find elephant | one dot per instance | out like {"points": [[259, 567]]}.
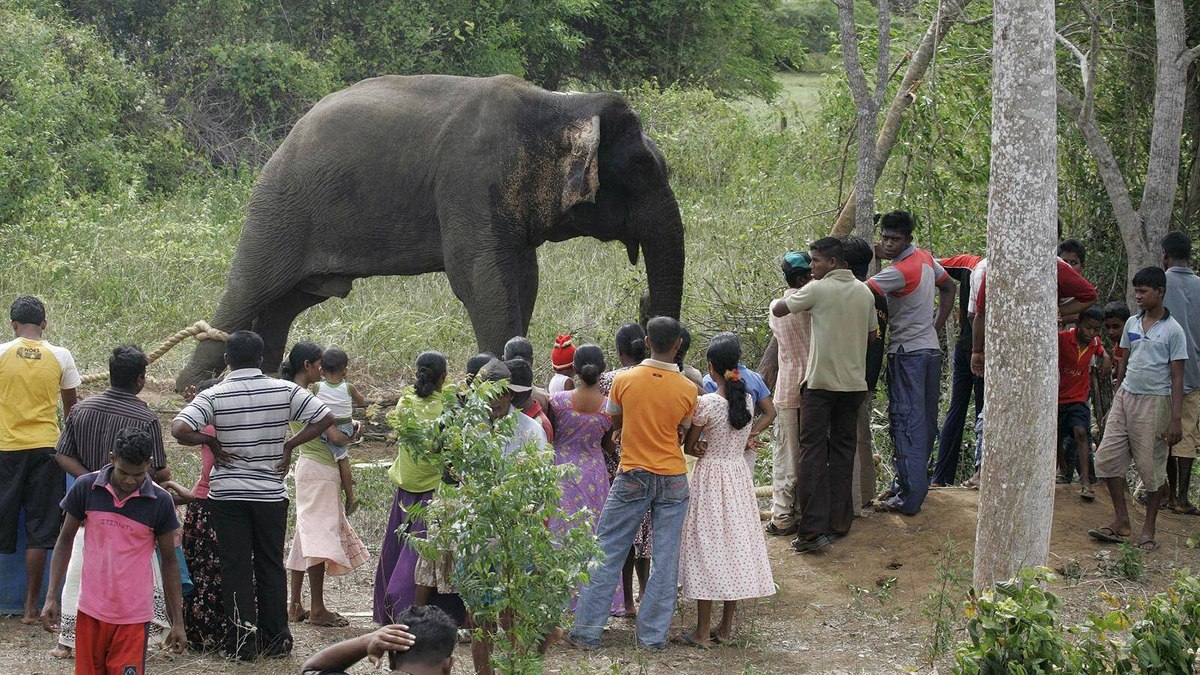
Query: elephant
{"points": [[405, 175]]}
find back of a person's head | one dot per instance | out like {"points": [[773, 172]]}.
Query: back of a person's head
{"points": [[900, 222], [27, 310], [589, 363], [431, 368], [631, 341], [243, 349], [829, 247], [796, 266], [1177, 245], [685, 343], [435, 636], [723, 354], [1073, 246], [1150, 277], [521, 377], [663, 332], [859, 255], [125, 365], [519, 347], [334, 361], [1116, 309], [478, 361], [133, 446], [301, 353], [1092, 313]]}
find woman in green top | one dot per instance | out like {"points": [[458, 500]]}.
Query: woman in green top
{"points": [[395, 589]]}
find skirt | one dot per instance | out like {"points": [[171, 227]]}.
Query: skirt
{"points": [[395, 584], [203, 608], [323, 535]]}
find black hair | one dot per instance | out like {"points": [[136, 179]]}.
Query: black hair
{"points": [[1177, 245], [1116, 309], [435, 632], [431, 368], [519, 347], [1150, 277], [631, 341], [859, 255], [830, 247], [685, 343], [724, 352], [897, 221], [334, 361], [478, 361], [663, 331], [243, 349], [207, 384], [27, 309], [793, 275], [302, 352], [125, 365], [1073, 246], [589, 363], [1094, 313], [133, 445], [520, 374]]}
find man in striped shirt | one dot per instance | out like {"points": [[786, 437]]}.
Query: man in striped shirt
{"points": [[250, 412]]}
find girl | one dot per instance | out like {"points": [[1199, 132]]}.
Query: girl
{"points": [[723, 553], [324, 542], [395, 586], [562, 358], [631, 351]]}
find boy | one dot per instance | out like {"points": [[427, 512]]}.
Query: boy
{"points": [[1116, 313], [1146, 416], [1183, 302], [127, 515], [964, 384], [1077, 348], [792, 334], [421, 642], [1073, 253]]}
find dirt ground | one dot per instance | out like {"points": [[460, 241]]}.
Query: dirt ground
{"points": [[857, 609]]}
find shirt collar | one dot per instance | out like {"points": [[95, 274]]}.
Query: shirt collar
{"points": [[912, 248], [1180, 269], [102, 482], [1166, 315], [661, 365], [841, 274], [113, 391], [244, 373]]}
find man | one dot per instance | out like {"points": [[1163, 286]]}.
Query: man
{"points": [[964, 383], [34, 375], [1183, 302], [520, 347], [249, 501], [834, 385], [521, 386], [649, 405], [859, 256], [914, 356], [88, 437]]}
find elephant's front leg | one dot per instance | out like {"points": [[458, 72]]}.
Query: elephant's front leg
{"points": [[489, 285], [527, 287]]}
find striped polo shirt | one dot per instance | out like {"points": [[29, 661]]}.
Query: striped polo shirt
{"points": [[250, 412], [90, 430]]}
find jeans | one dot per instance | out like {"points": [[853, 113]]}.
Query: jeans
{"points": [[633, 492], [253, 582], [338, 451], [965, 383], [828, 443], [913, 388]]}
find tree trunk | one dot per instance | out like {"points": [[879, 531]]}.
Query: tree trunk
{"points": [[1016, 501]]}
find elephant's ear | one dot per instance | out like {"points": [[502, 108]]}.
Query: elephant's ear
{"points": [[581, 175]]}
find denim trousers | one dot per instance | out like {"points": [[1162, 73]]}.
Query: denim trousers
{"points": [[632, 494], [914, 380], [964, 385]]}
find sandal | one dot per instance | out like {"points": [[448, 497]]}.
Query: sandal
{"points": [[1107, 534], [1191, 510], [776, 531], [1087, 494], [335, 621], [814, 545], [1149, 546], [687, 640]]}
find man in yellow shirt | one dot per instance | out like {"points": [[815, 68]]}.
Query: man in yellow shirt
{"points": [[649, 404], [34, 374]]}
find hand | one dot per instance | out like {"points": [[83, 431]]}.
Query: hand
{"points": [[220, 457], [939, 326], [1174, 431], [284, 464], [50, 616], [977, 364], [179, 493], [393, 638], [700, 449], [176, 641], [189, 393], [358, 431], [352, 505], [753, 444]]}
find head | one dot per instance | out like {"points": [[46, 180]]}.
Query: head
{"points": [[1177, 250], [520, 381], [478, 361], [243, 349], [334, 362], [130, 459], [127, 368], [1116, 313], [563, 354], [496, 371], [431, 373], [302, 363], [1149, 287], [895, 233], [1091, 323], [436, 637], [27, 313], [685, 343], [589, 364], [631, 344], [1073, 253], [518, 347], [859, 255], [664, 337], [827, 255], [723, 355], [797, 268]]}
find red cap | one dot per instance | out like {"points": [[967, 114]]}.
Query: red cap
{"points": [[563, 354]]}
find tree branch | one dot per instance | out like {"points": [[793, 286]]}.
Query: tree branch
{"points": [[976, 22], [1190, 55], [885, 42]]}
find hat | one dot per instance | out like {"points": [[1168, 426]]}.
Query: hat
{"points": [[494, 371], [798, 260], [563, 354], [521, 375]]}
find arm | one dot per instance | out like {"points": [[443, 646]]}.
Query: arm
{"points": [[185, 435], [373, 646], [1069, 313], [179, 494], [51, 611], [69, 398], [355, 396], [947, 289], [691, 440], [765, 419], [70, 464], [779, 308], [336, 436], [309, 432], [977, 326], [1175, 428], [176, 640]]}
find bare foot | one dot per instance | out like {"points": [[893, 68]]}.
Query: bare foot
{"points": [[327, 619], [61, 652], [297, 613], [630, 610], [32, 617], [693, 640], [552, 638], [723, 637]]}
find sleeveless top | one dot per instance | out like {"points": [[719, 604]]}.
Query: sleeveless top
{"points": [[337, 398]]}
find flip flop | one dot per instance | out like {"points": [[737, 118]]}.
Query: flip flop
{"points": [[712, 635], [1087, 494], [1149, 546], [970, 484], [687, 640], [1107, 534], [1191, 510]]}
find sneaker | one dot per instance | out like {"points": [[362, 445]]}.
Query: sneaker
{"points": [[814, 545], [776, 531]]}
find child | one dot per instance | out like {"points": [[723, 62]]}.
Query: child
{"points": [[1116, 313], [1077, 348], [421, 643], [1146, 416], [723, 553], [563, 358], [126, 516], [324, 542], [340, 397]]}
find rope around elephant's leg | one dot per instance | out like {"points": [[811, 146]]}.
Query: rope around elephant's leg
{"points": [[199, 330]]}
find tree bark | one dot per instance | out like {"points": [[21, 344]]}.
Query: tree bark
{"points": [[1016, 501], [866, 106]]}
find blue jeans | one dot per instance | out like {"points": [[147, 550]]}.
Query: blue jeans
{"points": [[913, 388], [964, 385], [633, 492], [338, 451]]}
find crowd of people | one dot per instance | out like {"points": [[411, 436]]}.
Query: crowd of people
{"points": [[665, 456]]}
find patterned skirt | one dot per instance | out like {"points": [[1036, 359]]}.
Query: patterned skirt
{"points": [[203, 608]]}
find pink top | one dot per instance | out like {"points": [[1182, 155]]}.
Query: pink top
{"points": [[200, 489]]}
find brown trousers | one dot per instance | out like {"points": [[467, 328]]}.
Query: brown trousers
{"points": [[828, 444]]}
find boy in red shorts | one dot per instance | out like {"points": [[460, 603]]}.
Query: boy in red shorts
{"points": [[126, 515]]}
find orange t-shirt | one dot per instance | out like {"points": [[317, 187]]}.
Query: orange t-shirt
{"points": [[654, 401]]}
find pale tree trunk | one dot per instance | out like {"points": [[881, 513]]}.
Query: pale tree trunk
{"points": [[1016, 501]]}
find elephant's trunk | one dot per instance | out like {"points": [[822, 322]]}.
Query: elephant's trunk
{"points": [[664, 256]]}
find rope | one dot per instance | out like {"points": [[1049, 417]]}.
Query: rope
{"points": [[199, 330]]}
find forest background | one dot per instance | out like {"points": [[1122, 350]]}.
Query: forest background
{"points": [[131, 133]]}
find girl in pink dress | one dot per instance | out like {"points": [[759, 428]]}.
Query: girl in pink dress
{"points": [[723, 553]]}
